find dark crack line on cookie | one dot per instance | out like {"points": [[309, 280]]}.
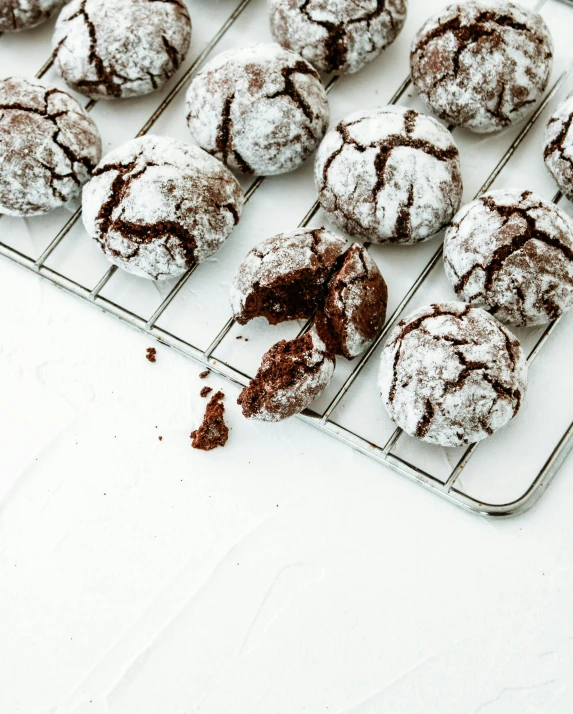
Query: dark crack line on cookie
{"points": [[291, 90]]}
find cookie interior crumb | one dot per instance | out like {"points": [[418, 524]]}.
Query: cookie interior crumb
{"points": [[213, 432], [151, 354]]}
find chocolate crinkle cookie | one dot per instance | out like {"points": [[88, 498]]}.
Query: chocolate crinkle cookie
{"points": [[156, 206], [337, 35], [511, 252], [48, 147], [450, 374], [284, 277], [354, 306], [120, 48], [291, 376], [482, 64], [559, 147], [259, 109], [16, 15], [389, 175]]}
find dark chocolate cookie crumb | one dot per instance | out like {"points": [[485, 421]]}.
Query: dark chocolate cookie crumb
{"points": [[354, 307], [291, 376], [205, 391], [511, 252], [108, 49], [482, 64], [213, 432], [151, 354], [337, 35], [450, 374], [160, 438], [204, 374], [283, 278]]}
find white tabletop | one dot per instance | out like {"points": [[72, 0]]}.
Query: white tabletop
{"points": [[283, 574]]}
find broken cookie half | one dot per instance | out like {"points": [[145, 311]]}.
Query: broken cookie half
{"points": [[354, 306], [294, 275], [291, 376]]}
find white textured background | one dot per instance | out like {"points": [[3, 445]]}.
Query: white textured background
{"points": [[283, 574]]}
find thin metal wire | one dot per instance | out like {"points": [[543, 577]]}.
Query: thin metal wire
{"points": [[383, 455]]}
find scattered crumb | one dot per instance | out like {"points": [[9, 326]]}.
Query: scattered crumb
{"points": [[213, 432], [246, 339], [205, 391], [239, 337], [204, 374], [151, 354], [160, 438]]}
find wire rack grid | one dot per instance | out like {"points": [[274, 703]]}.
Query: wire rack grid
{"points": [[494, 162]]}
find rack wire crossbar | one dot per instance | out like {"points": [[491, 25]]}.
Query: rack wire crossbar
{"points": [[448, 489]]}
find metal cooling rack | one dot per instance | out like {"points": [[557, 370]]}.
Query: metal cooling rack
{"points": [[449, 488]]}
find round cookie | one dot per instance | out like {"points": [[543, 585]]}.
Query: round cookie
{"points": [[336, 35], [283, 278], [120, 48], [48, 147], [291, 376], [559, 147], [511, 252], [354, 307], [259, 109], [16, 15], [482, 64], [157, 206], [389, 175], [450, 374]]}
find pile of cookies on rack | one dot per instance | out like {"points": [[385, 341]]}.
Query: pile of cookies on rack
{"points": [[451, 373]]}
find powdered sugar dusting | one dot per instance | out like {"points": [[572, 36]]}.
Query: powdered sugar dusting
{"points": [[559, 146], [120, 48], [482, 64], [259, 109], [291, 376], [18, 15], [389, 175], [337, 35], [450, 374], [157, 205], [281, 255], [48, 147], [512, 253]]}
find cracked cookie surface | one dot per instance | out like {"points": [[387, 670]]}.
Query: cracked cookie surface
{"points": [[120, 48], [156, 206], [450, 374], [483, 64], [389, 175], [337, 35], [16, 15], [48, 147], [558, 150], [354, 306], [291, 376], [284, 277], [259, 109], [511, 252]]}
